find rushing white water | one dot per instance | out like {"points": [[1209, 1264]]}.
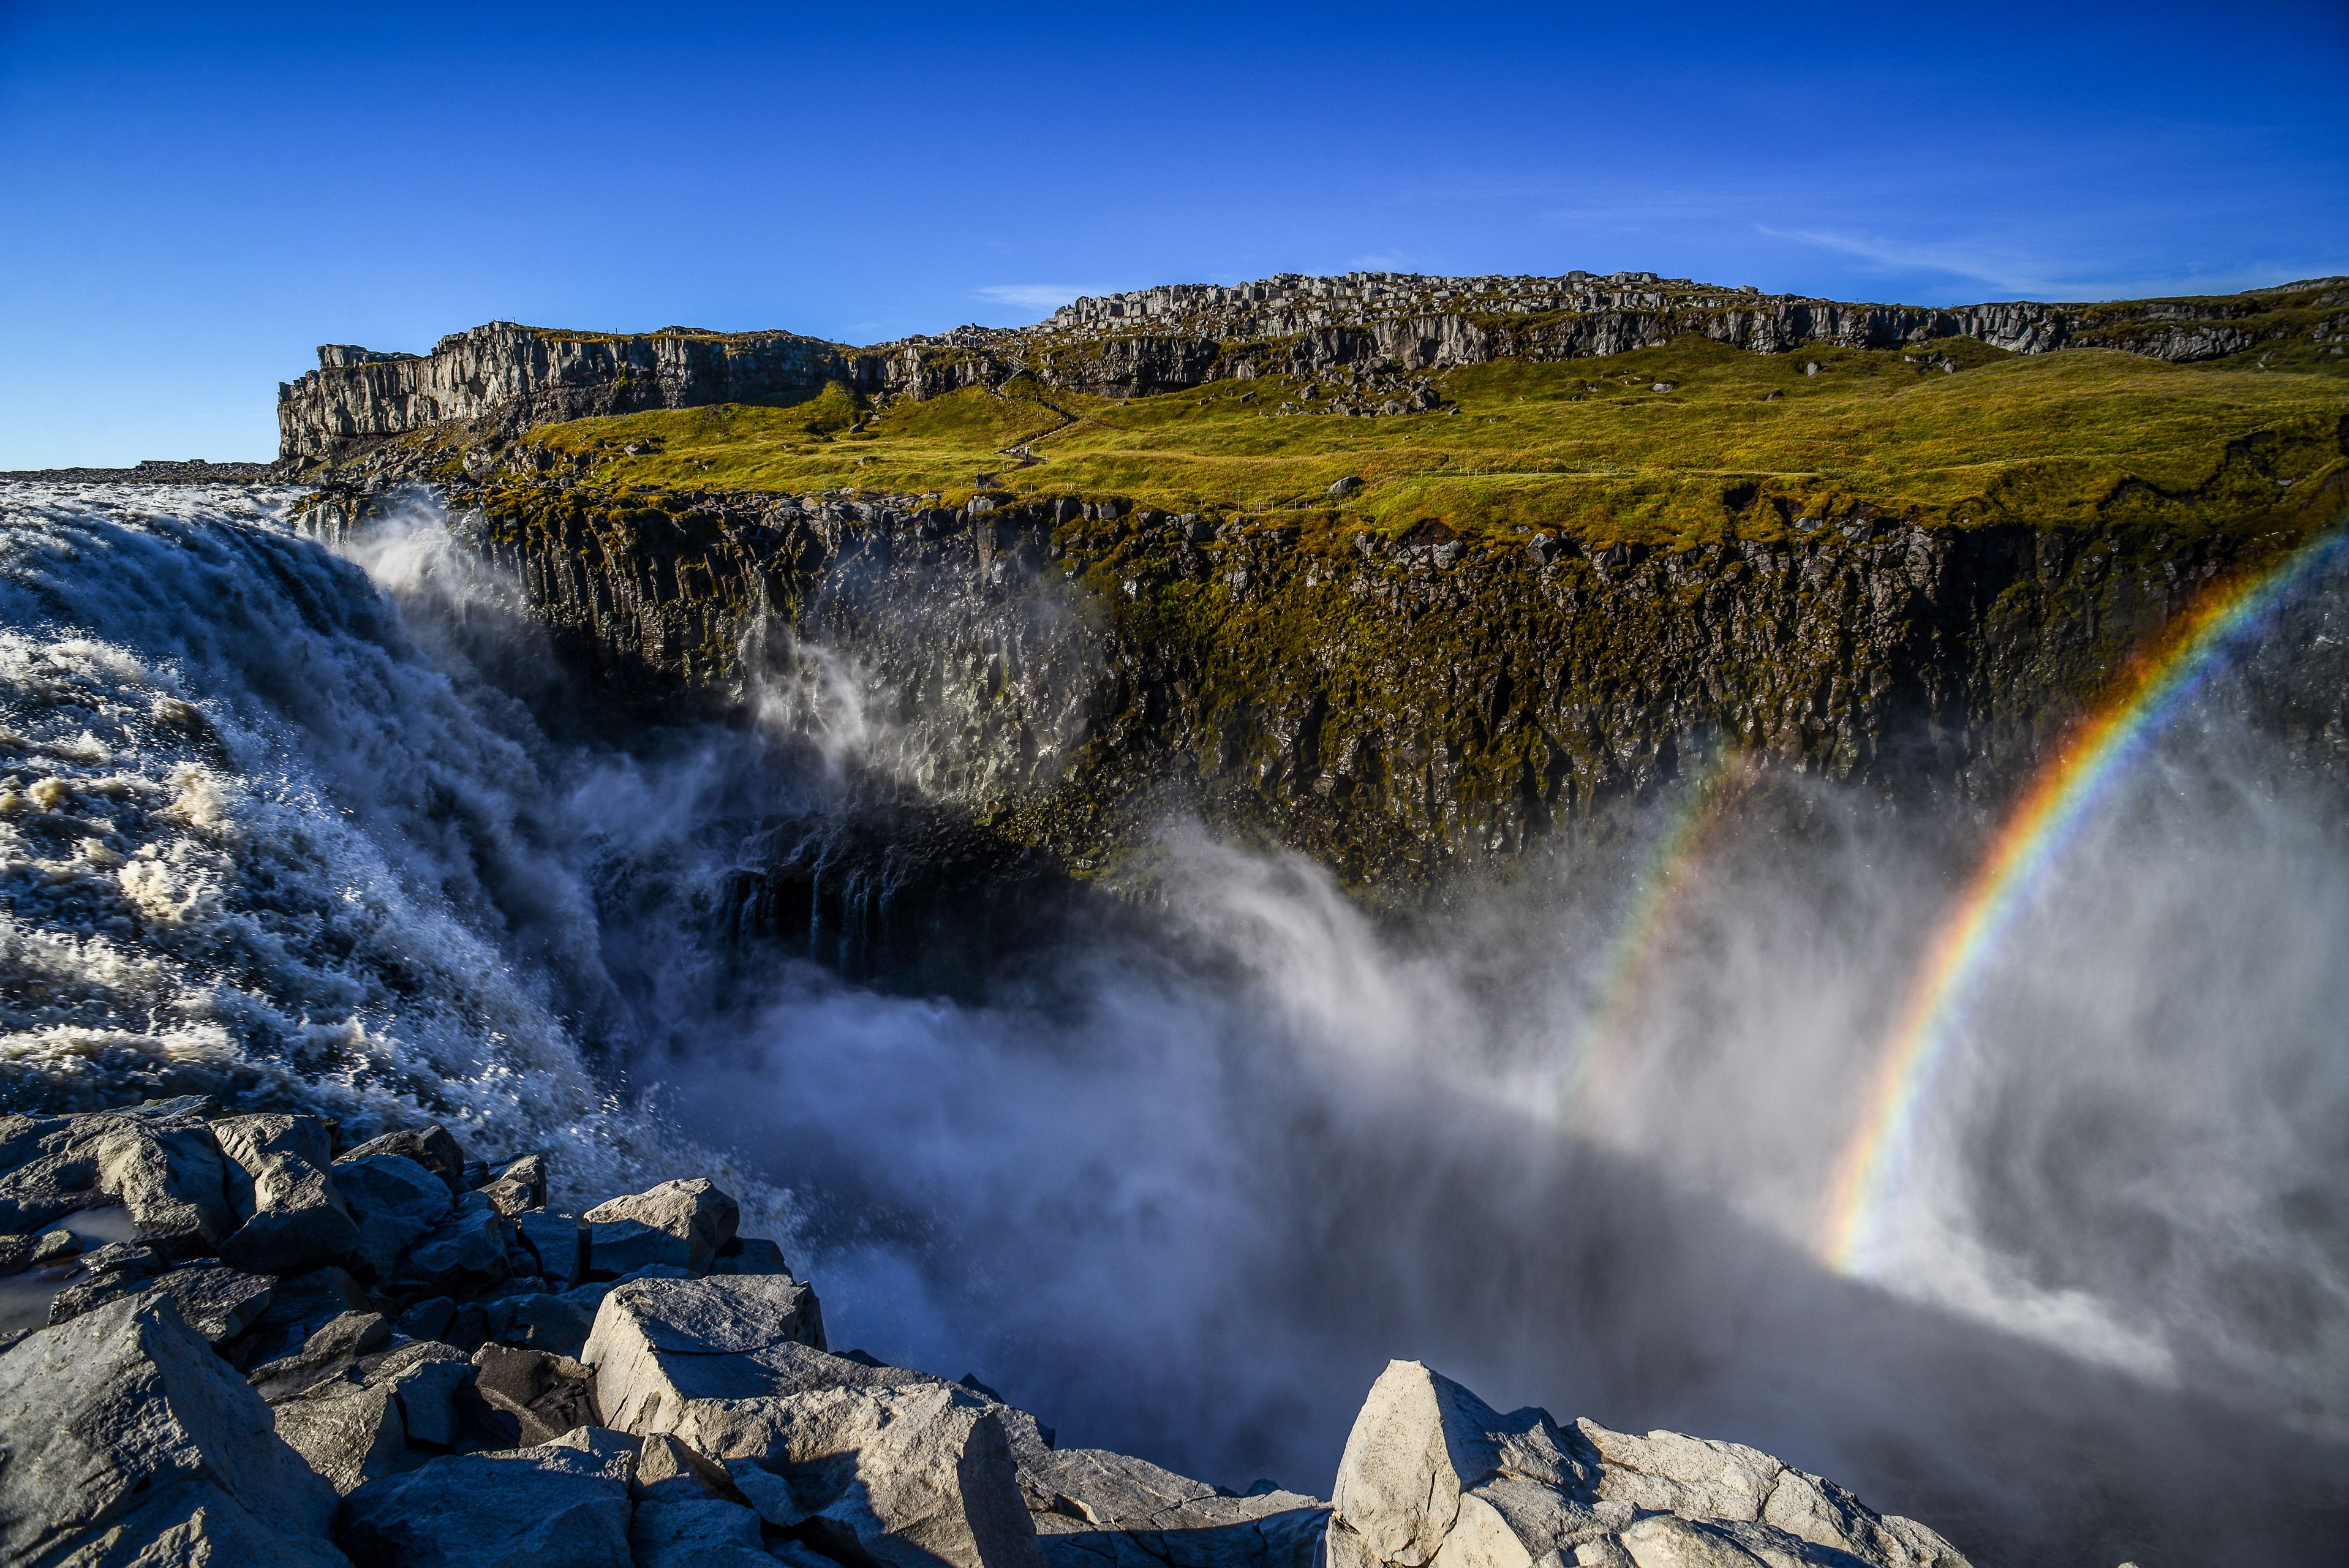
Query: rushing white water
{"points": [[278, 824]]}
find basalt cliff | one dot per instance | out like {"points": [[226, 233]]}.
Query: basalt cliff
{"points": [[1163, 339], [1400, 690]]}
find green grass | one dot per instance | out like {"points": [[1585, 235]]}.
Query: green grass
{"points": [[1743, 442]]}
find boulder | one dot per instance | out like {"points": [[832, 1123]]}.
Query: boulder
{"points": [[537, 1396], [659, 1345], [1419, 1443], [16, 1254], [559, 1243], [428, 1318], [463, 1255], [1756, 1499], [129, 1439], [114, 1270], [1095, 1510], [218, 1302], [434, 1148], [54, 1246], [433, 1382], [349, 1432], [904, 1477], [169, 1175], [528, 1508], [43, 1190], [666, 1468], [1433, 1475], [681, 1224], [518, 1186], [395, 1202], [280, 1179], [330, 1352]]}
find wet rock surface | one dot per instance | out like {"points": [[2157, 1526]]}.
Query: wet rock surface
{"points": [[186, 1411]]}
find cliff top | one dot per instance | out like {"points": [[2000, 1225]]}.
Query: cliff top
{"points": [[1658, 445]]}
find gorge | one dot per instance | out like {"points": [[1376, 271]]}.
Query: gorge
{"points": [[1177, 857]]}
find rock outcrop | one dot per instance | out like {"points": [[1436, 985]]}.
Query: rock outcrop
{"points": [[509, 377], [1433, 1475], [337, 1415]]}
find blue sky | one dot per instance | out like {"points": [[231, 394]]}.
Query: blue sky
{"points": [[192, 197]]}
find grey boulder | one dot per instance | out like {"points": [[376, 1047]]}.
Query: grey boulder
{"points": [[541, 1321], [169, 1175], [558, 1503], [395, 1202], [1431, 1474], [1099, 1510], [127, 1440], [464, 1254], [559, 1243], [658, 1346], [330, 1352], [680, 1224], [280, 1177], [349, 1433], [434, 1148], [216, 1301]]}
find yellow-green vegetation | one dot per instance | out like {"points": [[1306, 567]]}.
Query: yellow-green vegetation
{"points": [[1588, 446]]}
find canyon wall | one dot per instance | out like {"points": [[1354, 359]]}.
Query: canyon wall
{"points": [[1158, 340], [1065, 671]]}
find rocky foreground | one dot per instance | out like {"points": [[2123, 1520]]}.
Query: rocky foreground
{"points": [[396, 1355]]}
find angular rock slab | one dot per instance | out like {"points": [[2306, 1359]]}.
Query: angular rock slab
{"points": [[1101, 1509], [281, 1179], [434, 1148], [659, 1344], [1750, 1498], [904, 1477], [1433, 1475], [1420, 1442], [680, 1224], [129, 1439], [530, 1508], [395, 1202], [350, 1433]]}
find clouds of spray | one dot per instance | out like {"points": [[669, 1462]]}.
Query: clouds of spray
{"points": [[1186, 1182]]}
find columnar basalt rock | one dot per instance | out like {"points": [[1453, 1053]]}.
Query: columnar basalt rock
{"points": [[1391, 705]]}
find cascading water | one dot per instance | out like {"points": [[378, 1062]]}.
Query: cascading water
{"points": [[288, 823]]}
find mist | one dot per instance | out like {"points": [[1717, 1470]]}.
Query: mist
{"points": [[1188, 1170]]}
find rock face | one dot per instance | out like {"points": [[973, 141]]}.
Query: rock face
{"points": [[1157, 340], [1433, 1475], [1391, 707]]}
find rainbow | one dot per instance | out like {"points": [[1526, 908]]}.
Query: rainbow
{"points": [[1662, 878], [2061, 796]]}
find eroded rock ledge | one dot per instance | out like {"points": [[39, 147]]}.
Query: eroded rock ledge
{"points": [[395, 1355]]}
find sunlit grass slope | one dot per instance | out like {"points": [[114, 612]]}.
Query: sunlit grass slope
{"points": [[1673, 443]]}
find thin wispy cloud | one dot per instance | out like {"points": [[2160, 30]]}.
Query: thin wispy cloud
{"points": [[2013, 274], [1032, 296]]}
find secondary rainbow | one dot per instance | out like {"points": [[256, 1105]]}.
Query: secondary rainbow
{"points": [[1657, 891], [2060, 798]]}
